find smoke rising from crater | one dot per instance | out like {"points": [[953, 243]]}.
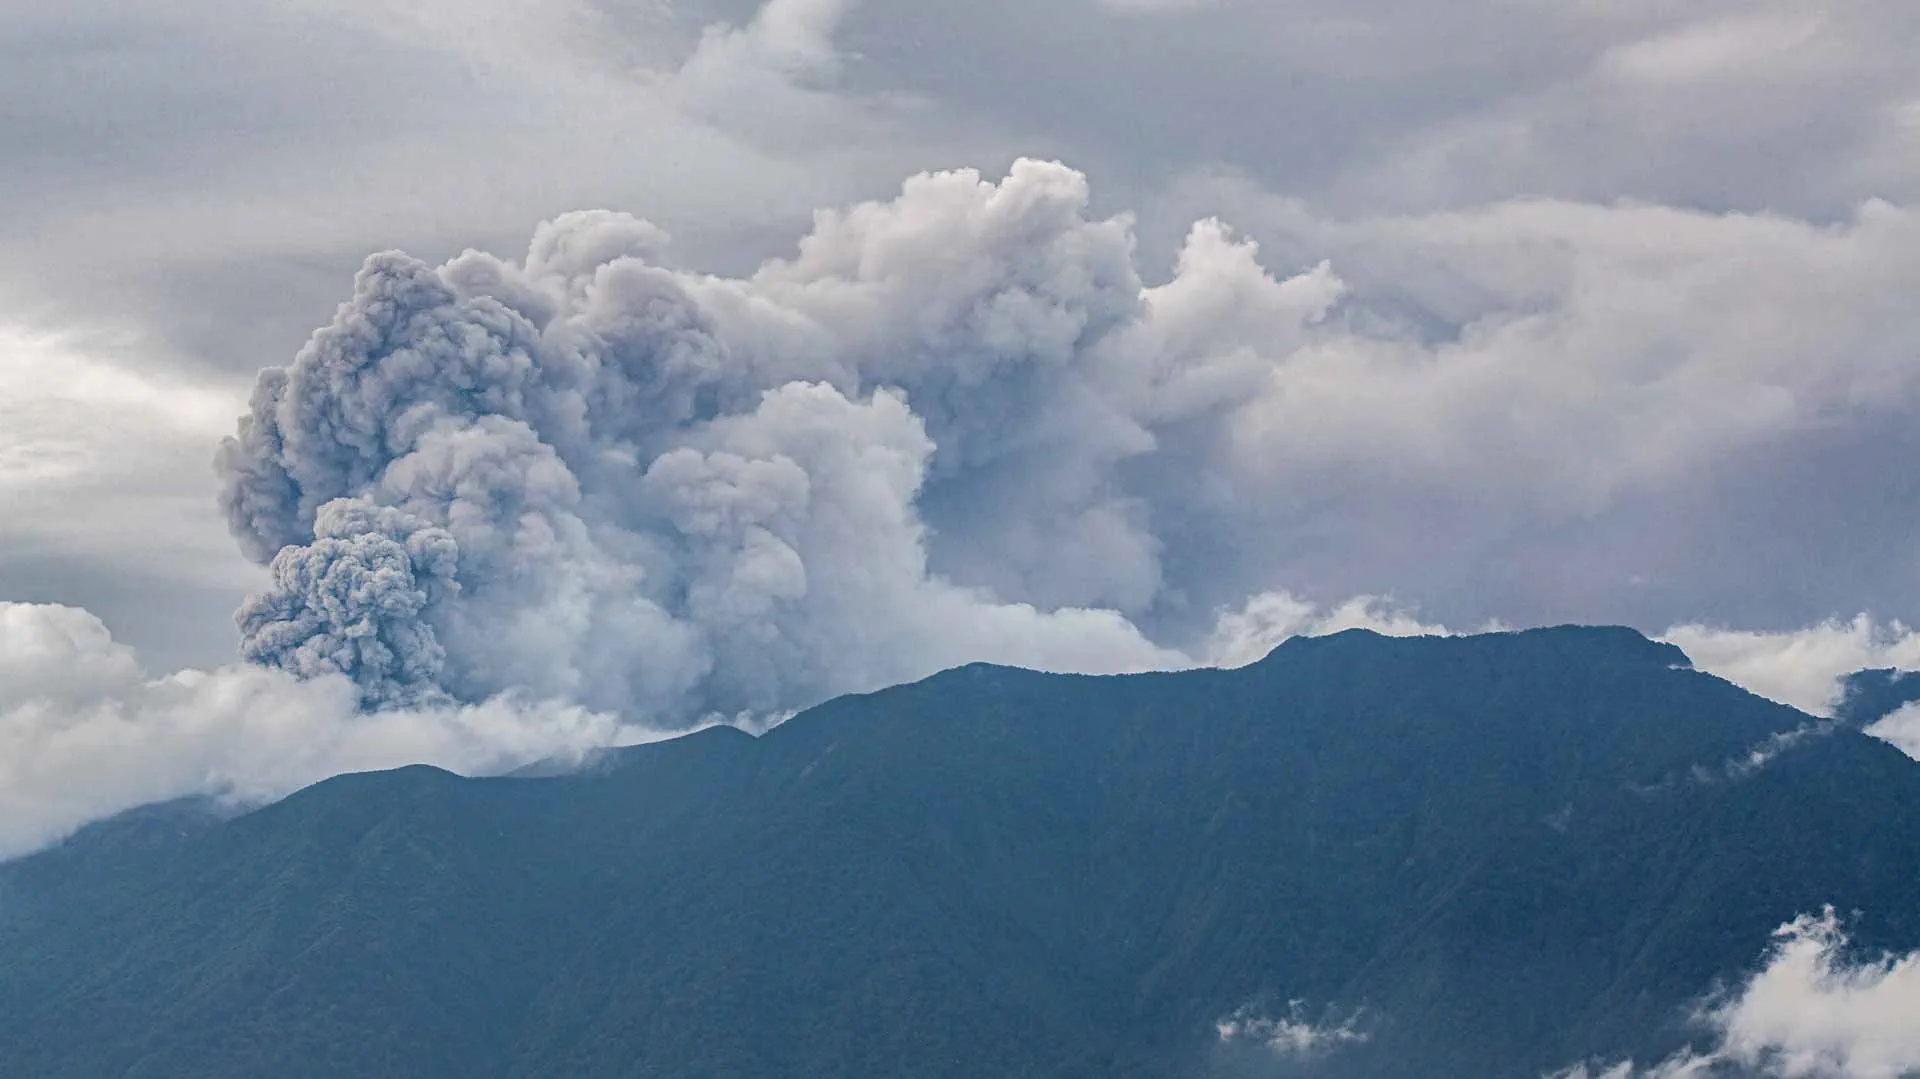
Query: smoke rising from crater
{"points": [[590, 476], [959, 425]]}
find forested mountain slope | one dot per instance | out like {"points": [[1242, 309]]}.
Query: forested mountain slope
{"points": [[1486, 855]]}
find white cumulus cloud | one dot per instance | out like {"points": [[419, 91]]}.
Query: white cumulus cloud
{"points": [[1813, 1012], [85, 732]]}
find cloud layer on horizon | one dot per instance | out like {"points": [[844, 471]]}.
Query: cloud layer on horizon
{"points": [[86, 732]]}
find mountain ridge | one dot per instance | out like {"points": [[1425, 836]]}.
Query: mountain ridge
{"points": [[1496, 852]]}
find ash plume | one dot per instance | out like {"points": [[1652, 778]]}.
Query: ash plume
{"points": [[588, 475], [518, 509]]}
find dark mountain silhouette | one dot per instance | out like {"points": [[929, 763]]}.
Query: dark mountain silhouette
{"points": [[1874, 694], [1492, 855]]}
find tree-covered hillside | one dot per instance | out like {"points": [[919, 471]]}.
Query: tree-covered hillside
{"points": [[1488, 856]]}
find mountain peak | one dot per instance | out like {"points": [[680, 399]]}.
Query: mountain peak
{"points": [[1565, 643]]}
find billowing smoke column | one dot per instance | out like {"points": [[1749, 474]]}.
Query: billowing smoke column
{"points": [[592, 477], [522, 511]]}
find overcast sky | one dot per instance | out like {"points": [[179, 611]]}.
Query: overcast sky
{"points": [[1625, 329]]}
